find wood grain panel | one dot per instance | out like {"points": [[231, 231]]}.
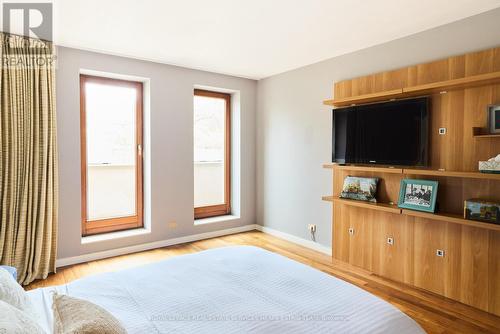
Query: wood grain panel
{"points": [[494, 272], [452, 241], [432, 72], [474, 267], [479, 62], [340, 233], [429, 236], [388, 259]]}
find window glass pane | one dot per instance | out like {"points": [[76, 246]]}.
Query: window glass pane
{"points": [[209, 141], [111, 151]]}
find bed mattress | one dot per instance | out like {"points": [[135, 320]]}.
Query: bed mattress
{"points": [[239, 289]]}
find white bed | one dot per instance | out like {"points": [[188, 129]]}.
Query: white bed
{"points": [[232, 290]]}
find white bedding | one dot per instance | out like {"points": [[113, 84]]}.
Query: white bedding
{"points": [[232, 290]]}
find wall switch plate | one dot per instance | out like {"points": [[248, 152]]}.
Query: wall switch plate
{"points": [[351, 231], [390, 241], [440, 252], [442, 131]]}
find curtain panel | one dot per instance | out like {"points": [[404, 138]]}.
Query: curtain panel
{"points": [[28, 157]]}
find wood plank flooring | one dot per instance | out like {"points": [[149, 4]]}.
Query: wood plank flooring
{"points": [[434, 313]]}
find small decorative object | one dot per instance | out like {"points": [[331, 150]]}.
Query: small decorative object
{"points": [[494, 118], [360, 188], [418, 195], [481, 210], [490, 166]]}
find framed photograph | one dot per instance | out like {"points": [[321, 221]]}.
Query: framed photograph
{"points": [[482, 210], [360, 188], [494, 118], [418, 195]]}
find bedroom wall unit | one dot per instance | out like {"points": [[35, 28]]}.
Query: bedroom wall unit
{"points": [[461, 88]]}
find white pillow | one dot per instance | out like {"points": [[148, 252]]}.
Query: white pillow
{"points": [[12, 320], [12, 293]]}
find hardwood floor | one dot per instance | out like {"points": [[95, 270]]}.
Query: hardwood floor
{"points": [[434, 313]]}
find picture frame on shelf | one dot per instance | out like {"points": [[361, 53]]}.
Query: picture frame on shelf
{"points": [[482, 210], [494, 118], [419, 195], [360, 188]]}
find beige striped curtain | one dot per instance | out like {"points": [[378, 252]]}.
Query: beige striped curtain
{"points": [[28, 157]]}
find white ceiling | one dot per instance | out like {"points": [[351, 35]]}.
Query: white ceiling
{"points": [[252, 38]]}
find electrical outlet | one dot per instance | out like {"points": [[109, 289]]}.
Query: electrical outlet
{"points": [[390, 241], [440, 252], [311, 228], [442, 131], [351, 231], [172, 224]]}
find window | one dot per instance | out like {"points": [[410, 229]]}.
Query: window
{"points": [[111, 154], [212, 144]]}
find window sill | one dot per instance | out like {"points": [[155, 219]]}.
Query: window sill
{"points": [[213, 220], [114, 235]]}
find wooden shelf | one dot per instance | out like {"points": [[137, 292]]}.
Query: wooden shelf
{"points": [[451, 218], [327, 198], [367, 98], [415, 171], [361, 204], [479, 133], [468, 175], [379, 169], [329, 165], [431, 88], [487, 136], [440, 86], [446, 217]]}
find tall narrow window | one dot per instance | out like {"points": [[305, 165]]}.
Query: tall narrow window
{"points": [[212, 143], [111, 154]]}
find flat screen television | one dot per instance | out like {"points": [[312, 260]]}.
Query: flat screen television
{"points": [[388, 133]]}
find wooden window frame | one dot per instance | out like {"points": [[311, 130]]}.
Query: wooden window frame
{"points": [[119, 223], [225, 208]]}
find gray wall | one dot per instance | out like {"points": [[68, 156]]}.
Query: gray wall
{"points": [[171, 147], [294, 128]]}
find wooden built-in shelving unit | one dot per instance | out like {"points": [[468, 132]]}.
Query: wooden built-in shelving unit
{"points": [[460, 89]]}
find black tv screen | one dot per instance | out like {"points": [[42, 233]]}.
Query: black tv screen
{"points": [[389, 133]]}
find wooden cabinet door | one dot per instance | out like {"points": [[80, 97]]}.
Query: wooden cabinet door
{"points": [[360, 246], [394, 261]]}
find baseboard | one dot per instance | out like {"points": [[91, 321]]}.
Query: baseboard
{"points": [[152, 245], [296, 240], [190, 238]]}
